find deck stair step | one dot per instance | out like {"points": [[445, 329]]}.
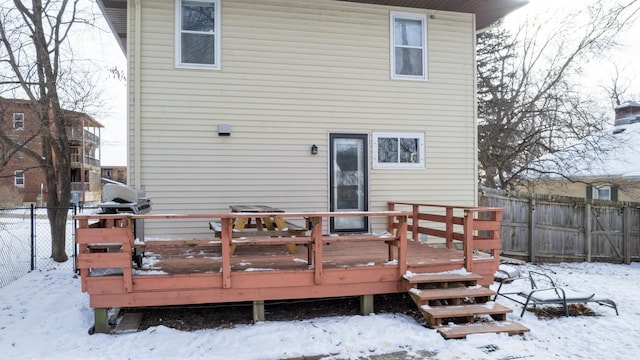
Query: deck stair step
{"points": [[425, 295], [457, 331], [466, 312], [443, 278], [456, 299]]}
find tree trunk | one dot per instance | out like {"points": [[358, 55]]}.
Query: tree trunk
{"points": [[58, 221]]}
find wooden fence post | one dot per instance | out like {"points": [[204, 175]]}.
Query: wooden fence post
{"points": [[626, 234], [587, 231], [532, 229]]}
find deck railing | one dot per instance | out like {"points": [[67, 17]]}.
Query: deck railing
{"points": [[102, 232], [477, 229]]}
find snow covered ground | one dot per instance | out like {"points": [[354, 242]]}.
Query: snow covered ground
{"points": [[44, 315]]}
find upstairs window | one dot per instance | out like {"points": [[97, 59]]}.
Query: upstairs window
{"points": [[18, 121], [398, 151], [18, 178], [198, 34], [408, 46]]}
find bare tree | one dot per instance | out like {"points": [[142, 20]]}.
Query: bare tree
{"points": [[619, 88], [36, 62], [529, 101]]}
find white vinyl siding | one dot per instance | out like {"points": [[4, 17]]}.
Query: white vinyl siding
{"points": [[197, 34], [295, 71]]}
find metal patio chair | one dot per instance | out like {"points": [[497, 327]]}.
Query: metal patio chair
{"points": [[550, 294]]}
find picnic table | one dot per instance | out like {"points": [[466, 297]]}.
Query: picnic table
{"points": [[266, 222]]}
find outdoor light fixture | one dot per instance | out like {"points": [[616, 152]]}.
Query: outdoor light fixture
{"points": [[224, 130], [314, 149]]}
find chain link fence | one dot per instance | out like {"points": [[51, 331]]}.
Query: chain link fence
{"points": [[25, 242]]}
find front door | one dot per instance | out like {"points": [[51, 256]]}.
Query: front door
{"points": [[348, 180]]}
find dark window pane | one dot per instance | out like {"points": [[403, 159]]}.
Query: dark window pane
{"points": [[198, 49], [387, 150], [197, 16], [348, 173], [408, 61], [409, 151]]}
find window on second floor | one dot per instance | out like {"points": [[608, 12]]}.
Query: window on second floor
{"points": [[408, 46], [398, 151], [18, 121], [198, 34], [18, 178]]}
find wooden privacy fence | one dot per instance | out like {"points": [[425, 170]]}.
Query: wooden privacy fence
{"points": [[539, 227]]}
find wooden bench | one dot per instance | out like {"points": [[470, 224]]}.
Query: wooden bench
{"points": [[253, 230], [253, 234]]}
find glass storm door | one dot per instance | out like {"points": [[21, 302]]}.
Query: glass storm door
{"points": [[348, 181]]}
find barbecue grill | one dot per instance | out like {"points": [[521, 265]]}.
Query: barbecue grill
{"points": [[118, 198]]}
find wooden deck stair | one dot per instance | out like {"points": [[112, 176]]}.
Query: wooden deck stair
{"points": [[456, 306]]}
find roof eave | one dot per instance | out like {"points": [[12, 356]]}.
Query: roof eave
{"points": [[487, 12]]}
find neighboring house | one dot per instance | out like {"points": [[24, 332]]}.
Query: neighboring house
{"points": [[115, 173], [604, 166], [23, 179], [304, 105]]}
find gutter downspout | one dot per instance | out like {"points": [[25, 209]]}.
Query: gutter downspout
{"points": [[475, 110], [136, 92]]}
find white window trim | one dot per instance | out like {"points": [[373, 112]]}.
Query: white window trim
{"points": [[595, 192], [415, 166], [412, 16], [16, 175], [14, 121], [217, 38]]}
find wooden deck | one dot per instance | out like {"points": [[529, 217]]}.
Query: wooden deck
{"points": [[200, 256], [177, 272]]}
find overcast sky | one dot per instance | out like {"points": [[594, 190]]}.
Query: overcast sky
{"points": [[597, 73]]}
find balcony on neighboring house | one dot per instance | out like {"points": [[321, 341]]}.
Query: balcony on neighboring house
{"points": [[77, 186], [75, 135], [76, 159]]}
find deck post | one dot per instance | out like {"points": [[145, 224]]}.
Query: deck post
{"points": [[496, 215], [415, 223], [390, 222], [316, 238], [401, 237], [468, 240], [258, 311], [227, 234], [101, 321], [449, 227], [366, 305]]}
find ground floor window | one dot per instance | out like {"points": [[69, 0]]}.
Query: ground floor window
{"points": [[398, 151], [603, 192]]}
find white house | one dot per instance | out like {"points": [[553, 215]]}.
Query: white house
{"points": [[304, 105]]}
